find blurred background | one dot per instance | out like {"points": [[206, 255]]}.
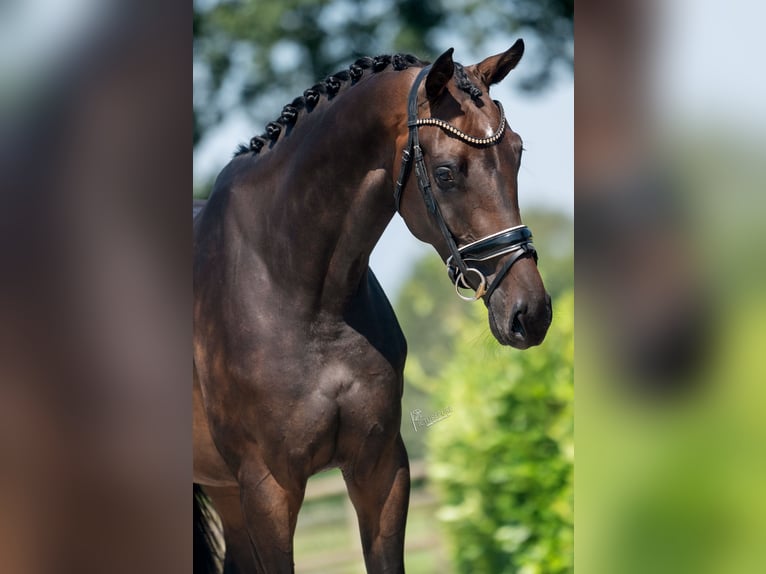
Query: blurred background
{"points": [[94, 286], [669, 204], [492, 473]]}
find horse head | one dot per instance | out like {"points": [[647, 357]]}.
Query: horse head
{"points": [[458, 191]]}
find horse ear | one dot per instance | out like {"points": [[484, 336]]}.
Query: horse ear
{"points": [[495, 68], [441, 73]]}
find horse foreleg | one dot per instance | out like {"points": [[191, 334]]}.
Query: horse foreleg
{"points": [[239, 557], [380, 494], [271, 513]]}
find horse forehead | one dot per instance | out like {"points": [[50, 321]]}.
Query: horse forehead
{"points": [[487, 110], [481, 119]]}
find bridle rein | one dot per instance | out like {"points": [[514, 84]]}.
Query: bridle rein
{"points": [[515, 240]]}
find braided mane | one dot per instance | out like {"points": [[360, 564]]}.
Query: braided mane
{"points": [[331, 85]]}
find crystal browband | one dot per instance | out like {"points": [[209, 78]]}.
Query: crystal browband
{"points": [[446, 126]]}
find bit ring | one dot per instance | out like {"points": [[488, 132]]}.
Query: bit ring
{"points": [[461, 283]]}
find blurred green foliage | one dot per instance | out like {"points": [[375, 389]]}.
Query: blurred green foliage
{"points": [[503, 459], [675, 486], [674, 483], [249, 52]]}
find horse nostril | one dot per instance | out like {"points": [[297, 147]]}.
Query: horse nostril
{"points": [[517, 326]]}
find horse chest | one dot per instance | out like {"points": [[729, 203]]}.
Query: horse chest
{"points": [[336, 365]]}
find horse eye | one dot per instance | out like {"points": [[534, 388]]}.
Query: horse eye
{"points": [[444, 174]]}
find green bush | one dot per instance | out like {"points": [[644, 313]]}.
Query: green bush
{"points": [[502, 460]]}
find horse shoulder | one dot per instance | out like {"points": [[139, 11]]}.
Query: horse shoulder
{"points": [[373, 317]]}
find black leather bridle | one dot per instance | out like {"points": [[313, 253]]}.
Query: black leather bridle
{"points": [[514, 240]]}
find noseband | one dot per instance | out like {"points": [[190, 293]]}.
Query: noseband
{"points": [[515, 240]]}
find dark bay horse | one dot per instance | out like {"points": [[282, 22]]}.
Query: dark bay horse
{"points": [[298, 357]]}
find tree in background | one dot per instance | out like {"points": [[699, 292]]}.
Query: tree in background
{"points": [[253, 54]]}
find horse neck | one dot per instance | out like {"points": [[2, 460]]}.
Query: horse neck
{"points": [[317, 203]]}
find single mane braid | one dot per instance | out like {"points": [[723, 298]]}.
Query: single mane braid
{"points": [[355, 72], [312, 97], [333, 84], [257, 143], [289, 114], [379, 63], [273, 129]]}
